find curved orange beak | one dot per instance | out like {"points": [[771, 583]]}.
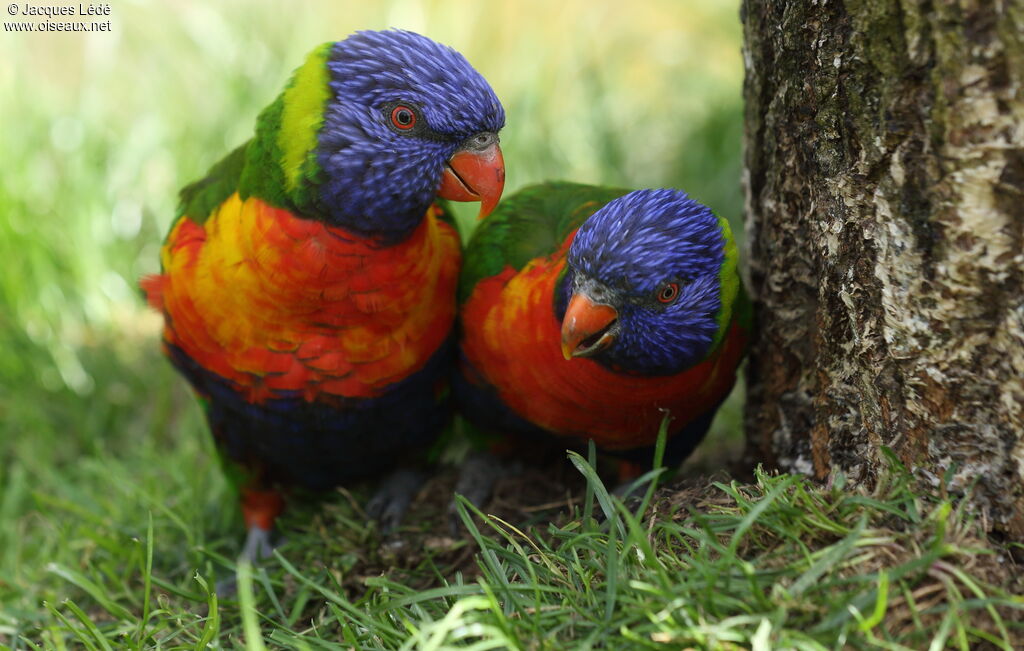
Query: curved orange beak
{"points": [[586, 327], [474, 175]]}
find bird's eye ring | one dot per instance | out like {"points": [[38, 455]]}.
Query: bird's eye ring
{"points": [[668, 292], [403, 117]]}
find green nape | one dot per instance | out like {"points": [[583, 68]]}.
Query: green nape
{"points": [[532, 223], [262, 175], [729, 283], [280, 163], [302, 116]]}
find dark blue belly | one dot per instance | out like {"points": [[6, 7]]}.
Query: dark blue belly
{"points": [[328, 441]]}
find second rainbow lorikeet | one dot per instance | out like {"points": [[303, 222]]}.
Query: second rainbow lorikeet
{"points": [[308, 283], [590, 313]]}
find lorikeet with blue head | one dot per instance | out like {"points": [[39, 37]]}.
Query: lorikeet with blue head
{"points": [[308, 283], [591, 313]]}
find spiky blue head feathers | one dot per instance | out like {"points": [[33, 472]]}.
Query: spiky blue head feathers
{"points": [[637, 251], [377, 178]]}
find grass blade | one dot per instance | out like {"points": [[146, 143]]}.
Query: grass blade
{"points": [[93, 589], [147, 578], [247, 604]]}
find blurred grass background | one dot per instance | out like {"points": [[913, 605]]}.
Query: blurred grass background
{"points": [[100, 130]]}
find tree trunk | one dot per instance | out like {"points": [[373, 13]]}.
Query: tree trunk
{"points": [[884, 175]]}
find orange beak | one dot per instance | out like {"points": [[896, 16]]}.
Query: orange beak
{"points": [[474, 175], [585, 327]]}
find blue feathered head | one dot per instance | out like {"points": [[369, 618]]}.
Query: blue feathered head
{"points": [[644, 283], [372, 128]]}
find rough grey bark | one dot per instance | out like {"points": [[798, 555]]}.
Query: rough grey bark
{"points": [[884, 172]]}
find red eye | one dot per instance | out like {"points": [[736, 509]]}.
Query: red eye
{"points": [[668, 293], [403, 118]]}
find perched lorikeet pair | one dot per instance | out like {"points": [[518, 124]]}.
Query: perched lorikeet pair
{"points": [[309, 285]]}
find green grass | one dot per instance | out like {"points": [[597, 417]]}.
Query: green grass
{"points": [[115, 520], [781, 563]]}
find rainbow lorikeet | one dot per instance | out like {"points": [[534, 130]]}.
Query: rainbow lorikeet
{"points": [[308, 283], [588, 313]]}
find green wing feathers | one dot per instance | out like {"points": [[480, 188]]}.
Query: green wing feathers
{"points": [[532, 223], [197, 200]]}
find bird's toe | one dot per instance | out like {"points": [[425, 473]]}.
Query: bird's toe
{"points": [[391, 501]]}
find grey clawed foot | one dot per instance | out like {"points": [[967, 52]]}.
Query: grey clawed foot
{"points": [[477, 477], [258, 546], [393, 496]]}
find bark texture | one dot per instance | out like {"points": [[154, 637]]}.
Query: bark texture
{"points": [[884, 173]]}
